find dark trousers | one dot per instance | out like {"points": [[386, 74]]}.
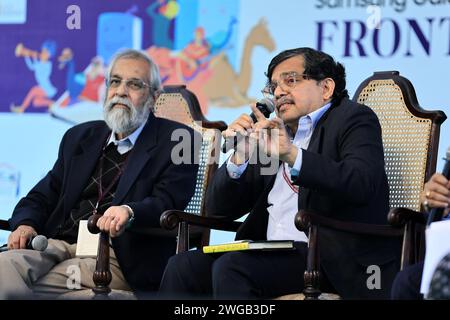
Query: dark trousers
{"points": [[406, 284], [235, 275]]}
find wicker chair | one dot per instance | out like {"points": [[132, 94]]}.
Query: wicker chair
{"points": [[166, 107], [410, 138]]}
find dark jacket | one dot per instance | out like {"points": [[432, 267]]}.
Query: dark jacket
{"points": [[343, 177], [150, 184]]}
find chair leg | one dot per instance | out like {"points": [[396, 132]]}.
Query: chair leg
{"points": [[183, 237], [408, 255], [312, 273], [102, 275]]}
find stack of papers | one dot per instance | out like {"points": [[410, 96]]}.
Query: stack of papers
{"points": [[437, 247]]}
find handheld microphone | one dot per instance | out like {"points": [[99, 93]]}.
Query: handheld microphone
{"points": [[266, 106], [437, 213], [38, 243]]}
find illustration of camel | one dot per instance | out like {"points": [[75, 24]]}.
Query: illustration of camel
{"points": [[170, 74], [218, 84], [228, 88]]}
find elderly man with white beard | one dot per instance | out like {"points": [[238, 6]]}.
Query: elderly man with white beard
{"points": [[120, 168]]}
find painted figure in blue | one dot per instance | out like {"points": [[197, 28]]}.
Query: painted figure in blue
{"points": [[39, 62], [162, 13]]}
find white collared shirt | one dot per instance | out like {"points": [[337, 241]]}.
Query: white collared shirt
{"points": [[126, 144], [282, 199]]}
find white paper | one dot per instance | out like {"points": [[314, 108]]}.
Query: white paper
{"points": [[437, 247], [87, 243]]}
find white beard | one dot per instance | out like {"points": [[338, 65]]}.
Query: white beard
{"points": [[125, 121]]}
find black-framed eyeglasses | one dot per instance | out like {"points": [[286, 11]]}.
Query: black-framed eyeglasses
{"points": [[132, 84], [287, 80]]}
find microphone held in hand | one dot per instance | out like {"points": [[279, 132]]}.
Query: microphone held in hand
{"points": [[266, 106], [38, 243], [437, 213]]}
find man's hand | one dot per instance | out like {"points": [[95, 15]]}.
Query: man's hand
{"points": [[19, 238], [241, 128], [114, 220], [436, 193], [273, 137]]}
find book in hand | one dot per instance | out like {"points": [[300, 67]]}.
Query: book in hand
{"points": [[250, 245]]}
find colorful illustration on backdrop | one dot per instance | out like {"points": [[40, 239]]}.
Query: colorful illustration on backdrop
{"points": [[74, 84], [162, 14], [208, 72], [40, 64], [84, 85], [229, 88], [117, 30], [69, 74]]}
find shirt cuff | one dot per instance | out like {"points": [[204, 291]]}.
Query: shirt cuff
{"points": [[235, 171], [295, 170]]}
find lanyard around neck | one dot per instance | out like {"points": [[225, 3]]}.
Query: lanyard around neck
{"points": [[288, 180], [102, 192]]}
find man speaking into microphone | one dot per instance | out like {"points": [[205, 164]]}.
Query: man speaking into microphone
{"points": [[329, 160], [266, 106]]}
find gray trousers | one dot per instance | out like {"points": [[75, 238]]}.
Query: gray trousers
{"points": [[34, 274]]}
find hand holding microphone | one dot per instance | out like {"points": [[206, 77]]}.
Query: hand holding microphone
{"points": [[242, 126], [273, 138], [25, 237], [436, 194], [266, 106], [38, 243]]}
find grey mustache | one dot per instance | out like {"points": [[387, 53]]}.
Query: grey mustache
{"points": [[117, 100], [282, 101]]}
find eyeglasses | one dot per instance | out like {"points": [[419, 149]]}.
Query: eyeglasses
{"points": [[132, 84], [287, 80]]}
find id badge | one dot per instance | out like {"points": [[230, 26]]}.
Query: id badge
{"points": [[87, 243]]}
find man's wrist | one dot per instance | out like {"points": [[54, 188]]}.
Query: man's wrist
{"points": [[291, 156], [130, 214]]}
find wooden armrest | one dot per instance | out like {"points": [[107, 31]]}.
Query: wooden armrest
{"points": [[220, 125], [92, 227], [304, 219], [171, 218], [398, 217], [92, 223], [4, 225]]}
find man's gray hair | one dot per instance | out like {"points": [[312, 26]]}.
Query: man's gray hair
{"points": [[154, 78]]}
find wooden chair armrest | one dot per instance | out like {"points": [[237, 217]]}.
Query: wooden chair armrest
{"points": [[92, 223], [219, 125], [171, 218], [4, 225], [398, 217], [304, 219]]}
